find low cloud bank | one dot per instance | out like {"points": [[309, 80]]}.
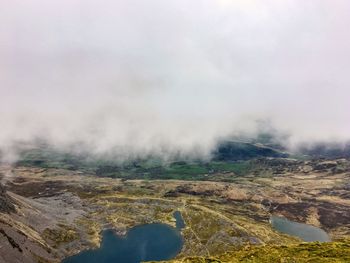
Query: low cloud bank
{"points": [[135, 78]]}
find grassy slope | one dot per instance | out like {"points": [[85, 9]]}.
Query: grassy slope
{"points": [[305, 252]]}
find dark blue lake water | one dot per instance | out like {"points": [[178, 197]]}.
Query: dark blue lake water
{"points": [[303, 231], [141, 243]]}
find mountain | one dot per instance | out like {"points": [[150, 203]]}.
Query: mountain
{"points": [[235, 151]]}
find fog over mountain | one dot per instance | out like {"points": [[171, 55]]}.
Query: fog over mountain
{"points": [[138, 77]]}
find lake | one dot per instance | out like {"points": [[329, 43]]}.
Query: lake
{"points": [[141, 243], [303, 231]]}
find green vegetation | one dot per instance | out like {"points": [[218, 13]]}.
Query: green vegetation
{"points": [[139, 169], [93, 230], [305, 252], [234, 151], [239, 168], [63, 234]]}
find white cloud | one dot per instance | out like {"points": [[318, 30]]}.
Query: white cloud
{"points": [[149, 75]]}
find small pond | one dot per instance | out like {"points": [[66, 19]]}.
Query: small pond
{"points": [[141, 243], [305, 232], [180, 223]]}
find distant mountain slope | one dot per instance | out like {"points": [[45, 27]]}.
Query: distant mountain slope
{"points": [[237, 158], [235, 151], [228, 157], [327, 150]]}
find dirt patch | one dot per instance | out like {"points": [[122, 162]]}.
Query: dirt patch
{"points": [[37, 189]]}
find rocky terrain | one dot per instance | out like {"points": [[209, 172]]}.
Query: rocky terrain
{"points": [[306, 252], [48, 214]]}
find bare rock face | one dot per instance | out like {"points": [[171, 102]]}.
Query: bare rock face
{"points": [[6, 203]]}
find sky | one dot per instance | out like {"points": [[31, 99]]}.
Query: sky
{"points": [[160, 76]]}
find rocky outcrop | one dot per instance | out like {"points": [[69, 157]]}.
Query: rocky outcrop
{"points": [[6, 203]]}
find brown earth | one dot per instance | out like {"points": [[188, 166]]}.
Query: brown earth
{"points": [[49, 214]]}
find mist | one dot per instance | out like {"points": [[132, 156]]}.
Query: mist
{"points": [[171, 77]]}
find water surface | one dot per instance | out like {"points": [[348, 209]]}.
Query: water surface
{"points": [[180, 223], [141, 243], [303, 231]]}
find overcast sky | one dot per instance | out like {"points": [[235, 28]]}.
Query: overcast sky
{"points": [[159, 75]]}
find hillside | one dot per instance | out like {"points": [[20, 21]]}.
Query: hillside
{"points": [[307, 252]]}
